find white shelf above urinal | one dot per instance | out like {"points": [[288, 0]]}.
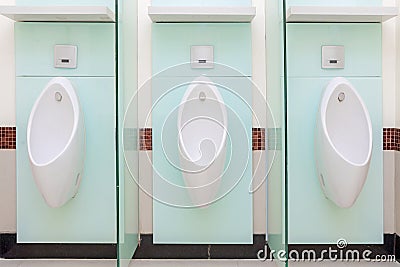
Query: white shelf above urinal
{"points": [[201, 14], [58, 13], [340, 14]]}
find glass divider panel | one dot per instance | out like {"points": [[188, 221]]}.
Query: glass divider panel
{"points": [[276, 121], [128, 156]]}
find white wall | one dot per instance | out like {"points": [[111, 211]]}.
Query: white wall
{"points": [[397, 193], [389, 69], [8, 203]]}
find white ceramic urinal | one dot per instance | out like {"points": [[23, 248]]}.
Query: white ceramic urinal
{"points": [[343, 143], [202, 134], [56, 142]]}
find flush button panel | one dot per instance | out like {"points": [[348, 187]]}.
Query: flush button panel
{"points": [[65, 56], [202, 57], [333, 57]]}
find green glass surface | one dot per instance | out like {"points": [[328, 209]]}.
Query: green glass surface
{"points": [[173, 221], [35, 43], [276, 86], [363, 67], [363, 50], [171, 44], [313, 218], [128, 151], [80, 220]]}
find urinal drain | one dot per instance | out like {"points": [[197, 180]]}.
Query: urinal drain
{"points": [[341, 97], [58, 96], [202, 96]]}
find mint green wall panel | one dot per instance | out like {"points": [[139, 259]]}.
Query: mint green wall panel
{"points": [[232, 46], [35, 48], [109, 3], [91, 216], [201, 3], [333, 3], [229, 220], [362, 41], [313, 219]]}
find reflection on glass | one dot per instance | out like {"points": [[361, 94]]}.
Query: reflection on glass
{"points": [[276, 232], [128, 156]]}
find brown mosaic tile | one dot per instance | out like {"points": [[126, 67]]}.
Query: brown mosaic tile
{"points": [[391, 139], [146, 139], [8, 137], [258, 139]]}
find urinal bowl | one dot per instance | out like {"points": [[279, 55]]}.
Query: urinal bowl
{"points": [[56, 142], [202, 134], [343, 143]]}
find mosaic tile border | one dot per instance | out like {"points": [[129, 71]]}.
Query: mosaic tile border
{"points": [[258, 139], [8, 137], [145, 139], [391, 138]]}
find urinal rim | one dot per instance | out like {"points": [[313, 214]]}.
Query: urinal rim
{"points": [[333, 84], [69, 88], [209, 83]]}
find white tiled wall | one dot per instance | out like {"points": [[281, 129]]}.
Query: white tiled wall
{"points": [[389, 53], [389, 195], [7, 69], [396, 96], [146, 202], [7, 192], [397, 193], [144, 62]]}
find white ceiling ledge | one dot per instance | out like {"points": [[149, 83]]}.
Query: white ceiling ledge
{"points": [[201, 14], [340, 14], [58, 13]]}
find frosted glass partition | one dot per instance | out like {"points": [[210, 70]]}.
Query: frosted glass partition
{"points": [[276, 201], [128, 156]]}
